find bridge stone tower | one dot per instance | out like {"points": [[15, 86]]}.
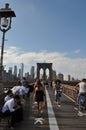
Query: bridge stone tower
{"points": [[44, 66]]}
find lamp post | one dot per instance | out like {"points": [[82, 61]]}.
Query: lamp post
{"points": [[6, 15]]}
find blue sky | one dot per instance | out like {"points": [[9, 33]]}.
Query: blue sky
{"points": [[48, 31]]}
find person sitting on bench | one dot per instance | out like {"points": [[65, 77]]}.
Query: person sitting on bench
{"points": [[13, 108]]}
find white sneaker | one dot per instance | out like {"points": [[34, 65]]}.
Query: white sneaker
{"points": [[80, 113]]}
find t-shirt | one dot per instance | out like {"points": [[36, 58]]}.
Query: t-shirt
{"points": [[9, 105], [57, 87], [82, 87]]}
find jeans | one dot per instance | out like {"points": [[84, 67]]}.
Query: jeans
{"points": [[58, 96]]}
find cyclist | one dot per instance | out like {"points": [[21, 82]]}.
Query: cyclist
{"points": [[82, 90]]}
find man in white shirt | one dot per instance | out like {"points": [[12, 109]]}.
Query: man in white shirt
{"points": [[13, 107], [82, 89]]}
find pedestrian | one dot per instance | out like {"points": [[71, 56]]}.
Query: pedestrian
{"points": [[20, 90], [58, 91], [13, 108], [81, 86], [39, 95]]}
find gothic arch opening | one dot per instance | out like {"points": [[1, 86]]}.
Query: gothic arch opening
{"points": [[47, 73], [41, 73]]}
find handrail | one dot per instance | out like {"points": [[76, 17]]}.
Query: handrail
{"points": [[70, 91]]}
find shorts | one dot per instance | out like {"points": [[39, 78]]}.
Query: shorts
{"points": [[82, 93]]}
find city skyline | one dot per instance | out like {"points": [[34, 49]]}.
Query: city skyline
{"points": [[17, 72], [47, 31]]}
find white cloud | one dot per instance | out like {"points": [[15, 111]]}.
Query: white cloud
{"points": [[77, 51], [61, 63]]}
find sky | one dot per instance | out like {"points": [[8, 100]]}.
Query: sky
{"points": [[47, 31]]}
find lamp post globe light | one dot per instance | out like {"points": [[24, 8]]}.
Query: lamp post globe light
{"points": [[6, 15]]}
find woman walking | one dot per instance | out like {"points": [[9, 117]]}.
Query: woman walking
{"points": [[39, 94]]}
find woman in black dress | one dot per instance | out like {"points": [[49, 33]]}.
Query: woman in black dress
{"points": [[39, 94]]}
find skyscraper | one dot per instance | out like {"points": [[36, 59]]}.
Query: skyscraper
{"points": [[22, 70], [15, 71], [32, 72]]}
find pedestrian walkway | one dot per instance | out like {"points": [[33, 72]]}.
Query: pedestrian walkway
{"points": [[66, 116]]}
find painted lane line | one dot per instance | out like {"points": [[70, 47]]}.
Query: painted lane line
{"points": [[52, 120]]}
